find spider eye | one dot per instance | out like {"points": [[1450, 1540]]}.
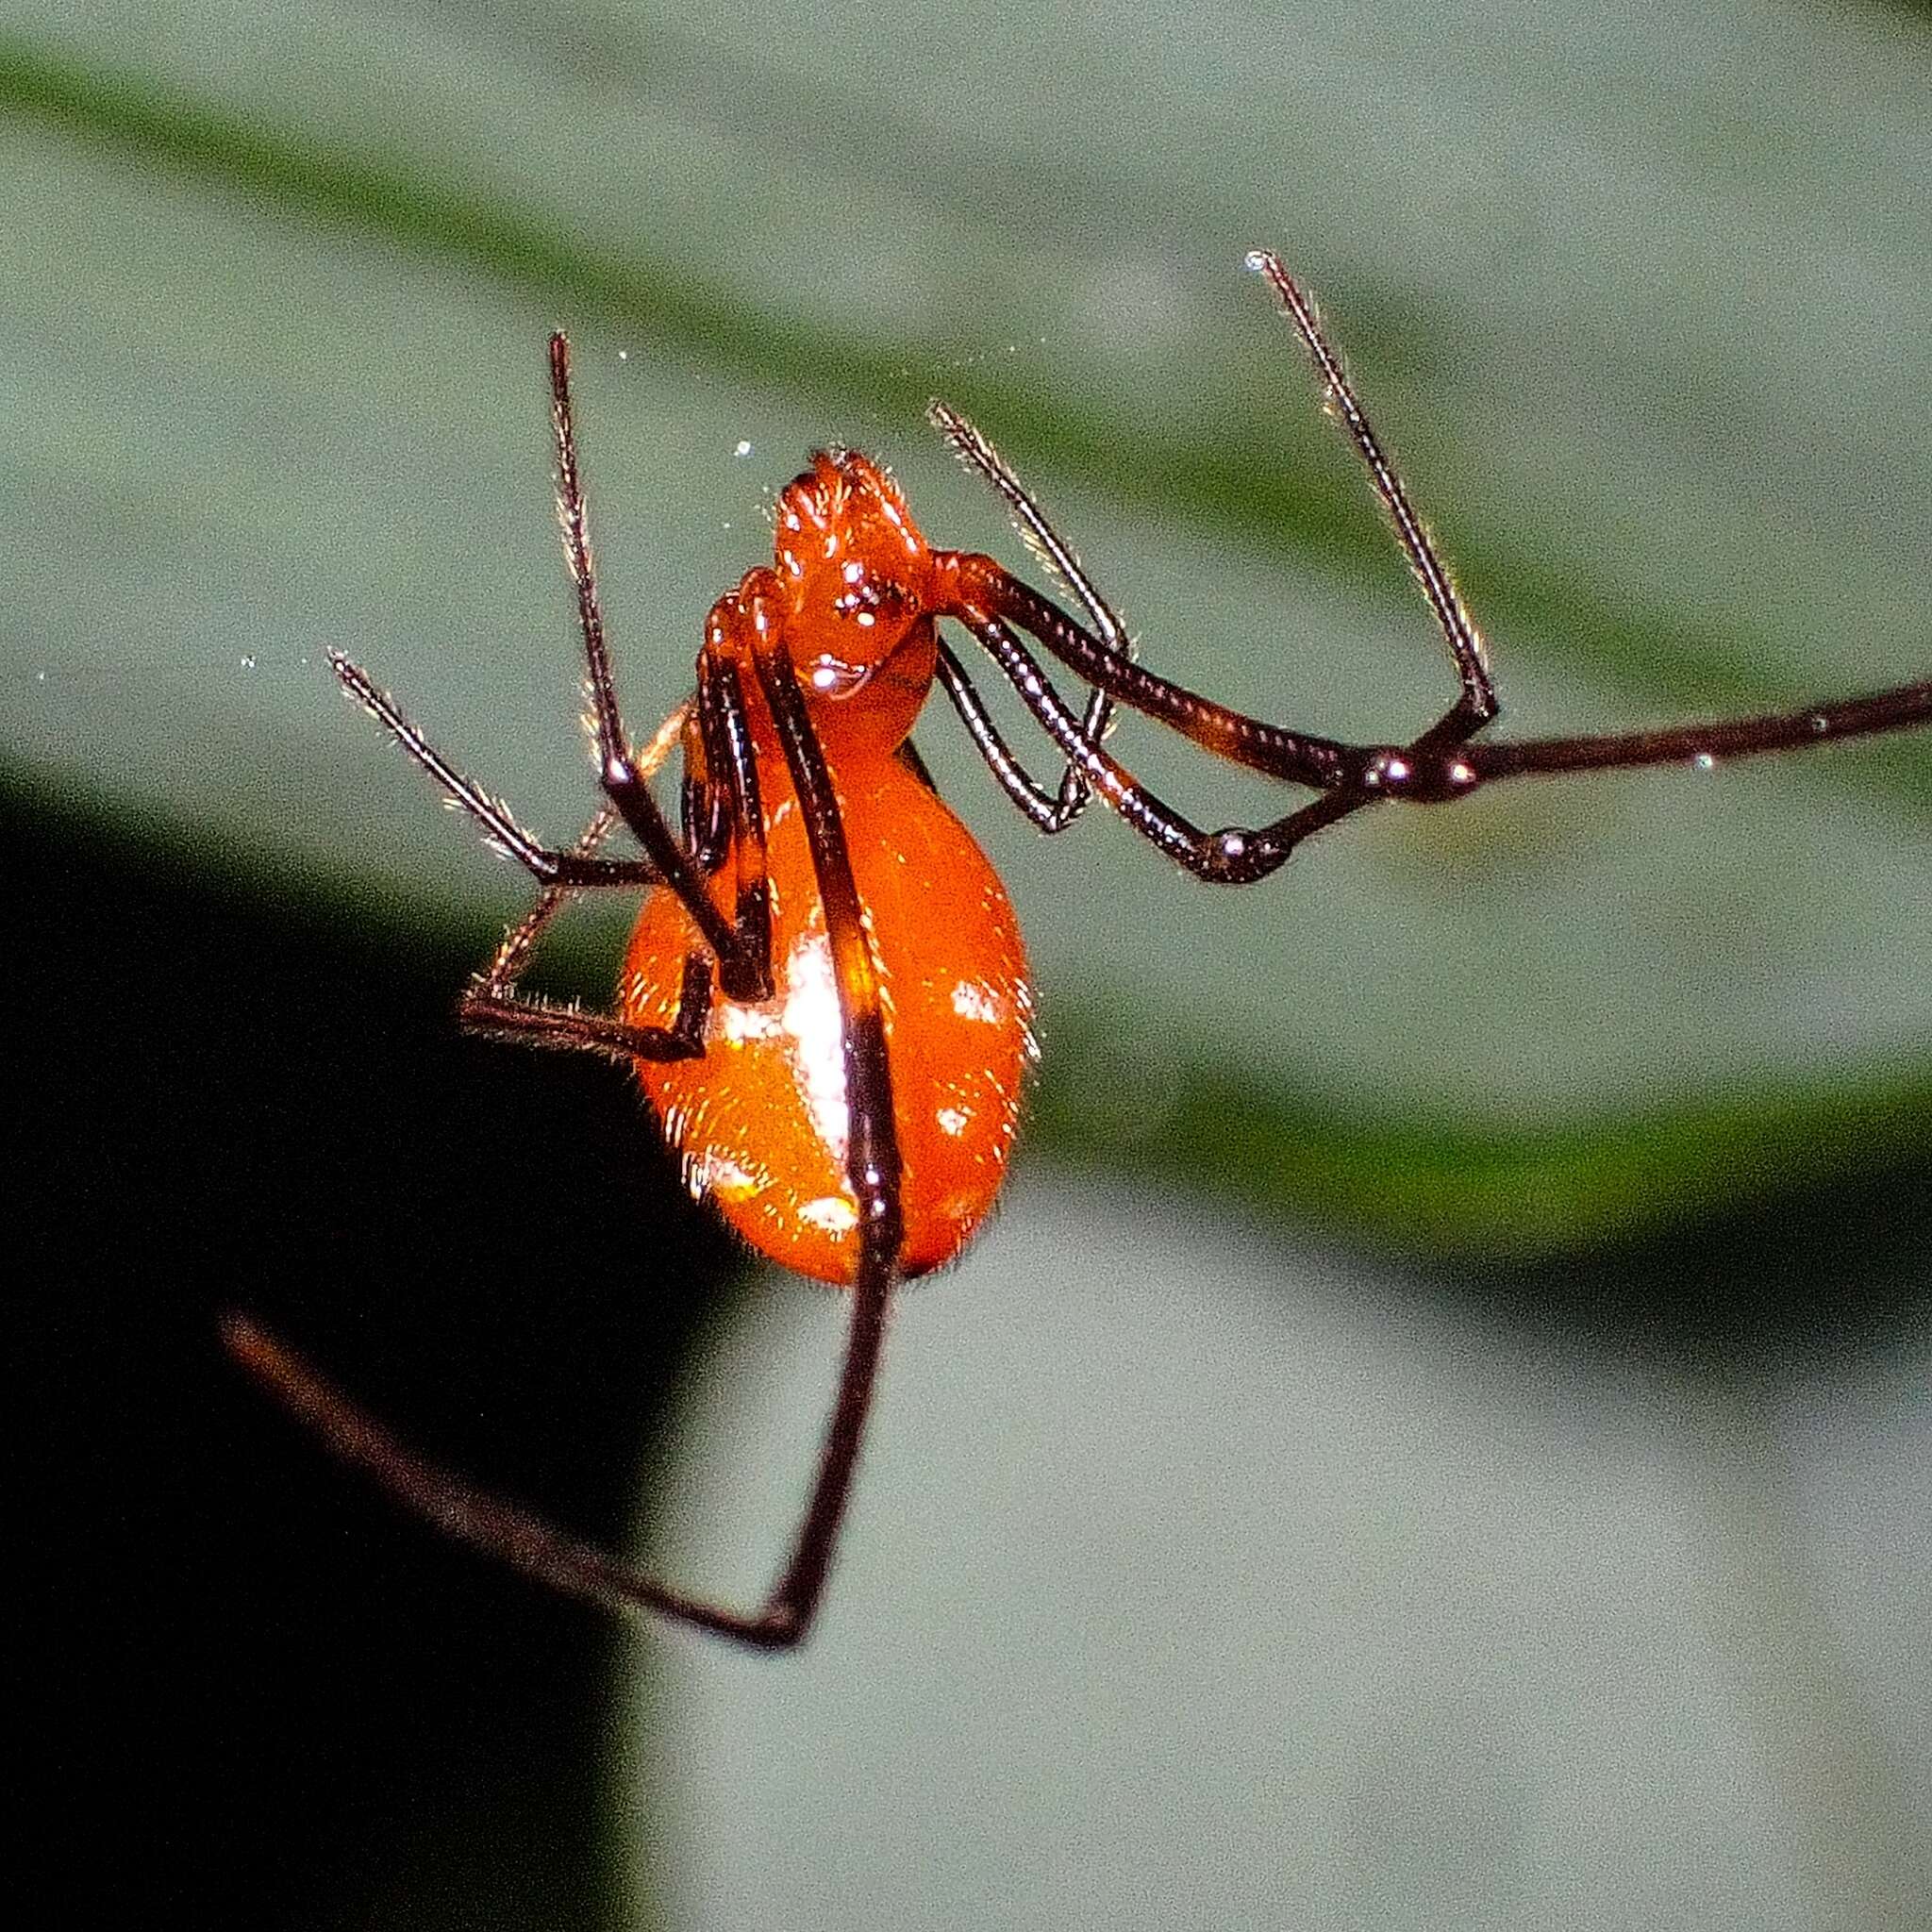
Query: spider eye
{"points": [[871, 601]]}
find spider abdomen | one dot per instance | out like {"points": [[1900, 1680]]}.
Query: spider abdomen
{"points": [[761, 1120]]}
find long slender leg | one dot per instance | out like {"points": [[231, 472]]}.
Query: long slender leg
{"points": [[492, 1006], [1896, 710], [494, 990], [1434, 768], [1439, 764], [492, 1003], [506, 964], [1442, 763], [553, 868], [1107, 661], [1234, 856], [517, 1535], [529, 1020], [618, 771], [728, 749], [500, 1529], [506, 1529], [1101, 660], [512, 953], [1903, 707], [873, 1165], [1427, 772], [1299, 758], [1478, 704], [976, 452], [1049, 811]]}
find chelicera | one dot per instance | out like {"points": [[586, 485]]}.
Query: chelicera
{"points": [[826, 997]]}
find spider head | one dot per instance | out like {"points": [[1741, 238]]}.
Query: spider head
{"points": [[855, 577]]}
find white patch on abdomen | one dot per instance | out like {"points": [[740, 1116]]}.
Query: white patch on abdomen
{"points": [[811, 1022]]}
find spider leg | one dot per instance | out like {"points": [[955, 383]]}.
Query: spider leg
{"points": [[501, 1528], [619, 772], [1477, 702], [1104, 659], [971, 446], [1233, 856], [1437, 766], [1445, 762], [508, 1530], [493, 1005], [1298, 757], [1049, 811], [516, 1535], [1900, 709], [512, 953], [873, 1166], [729, 750], [571, 871]]}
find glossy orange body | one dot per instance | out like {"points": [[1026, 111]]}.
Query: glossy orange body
{"points": [[762, 1118]]}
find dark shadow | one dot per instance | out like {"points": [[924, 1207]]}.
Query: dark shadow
{"points": [[1812, 1275], [273, 1699]]}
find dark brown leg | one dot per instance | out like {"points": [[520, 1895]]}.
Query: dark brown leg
{"points": [[571, 871], [729, 752], [1438, 765], [978, 455], [872, 1155], [1478, 704], [493, 1005], [1433, 768], [527, 1020], [498, 1527], [617, 770], [1297, 757], [508, 962], [1103, 661], [1904, 708], [1442, 763], [1050, 811], [1234, 856], [516, 1535]]}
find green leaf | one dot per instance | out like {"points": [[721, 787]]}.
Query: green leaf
{"points": [[1648, 322], [1194, 1578]]}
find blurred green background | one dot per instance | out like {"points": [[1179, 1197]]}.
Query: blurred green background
{"points": [[1626, 1079]]}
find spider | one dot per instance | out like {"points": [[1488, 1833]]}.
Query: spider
{"points": [[825, 998]]}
